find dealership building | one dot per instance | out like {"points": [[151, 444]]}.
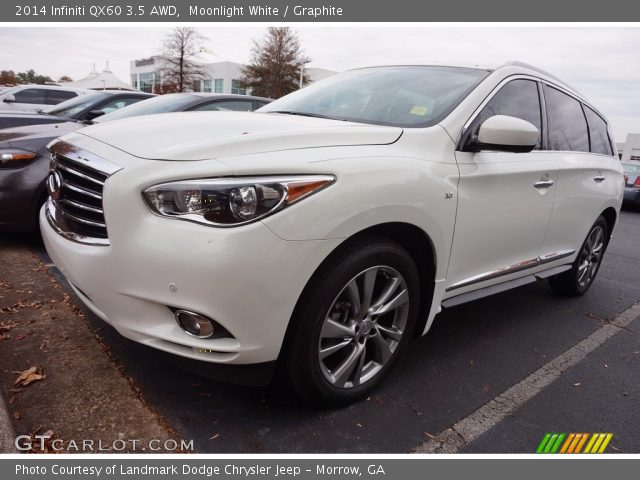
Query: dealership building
{"points": [[218, 77], [631, 149]]}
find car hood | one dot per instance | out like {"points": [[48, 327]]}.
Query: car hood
{"points": [[18, 136], [206, 135]]}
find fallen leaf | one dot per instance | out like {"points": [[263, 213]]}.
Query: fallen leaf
{"points": [[6, 326], [29, 376]]}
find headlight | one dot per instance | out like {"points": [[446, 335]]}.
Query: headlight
{"points": [[228, 202], [14, 157]]}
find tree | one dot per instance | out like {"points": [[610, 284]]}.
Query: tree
{"points": [[179, 52], [8, 77], [275, 64], [30, 76], [65, 78]]}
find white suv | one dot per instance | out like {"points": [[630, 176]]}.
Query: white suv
{"points": [[328, 228], [32, 98]]}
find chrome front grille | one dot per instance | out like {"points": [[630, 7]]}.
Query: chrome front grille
{"points": [[75, 185]]}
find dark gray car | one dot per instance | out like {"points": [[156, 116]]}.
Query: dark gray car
{"points": [[79, 109], [24, 160]]}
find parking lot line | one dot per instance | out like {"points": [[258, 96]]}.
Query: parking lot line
{"points": [[486, 417]]}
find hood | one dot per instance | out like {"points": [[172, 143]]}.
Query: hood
{"points": [[206, 135], [36, 134]]}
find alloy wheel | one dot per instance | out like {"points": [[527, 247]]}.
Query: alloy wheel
{"points": [[363, 327], [590, 256]]}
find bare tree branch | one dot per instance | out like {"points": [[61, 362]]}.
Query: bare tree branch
{"points": [[179, 51]]}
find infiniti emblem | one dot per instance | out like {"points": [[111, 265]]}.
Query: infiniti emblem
{"points": [[54, 184]]}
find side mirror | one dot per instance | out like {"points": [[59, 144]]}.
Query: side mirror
{"points": [[10, 98], [505, 133], [94, 114]]}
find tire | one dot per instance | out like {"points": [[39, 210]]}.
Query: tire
{"points": [[576, 282], [338, 349]]}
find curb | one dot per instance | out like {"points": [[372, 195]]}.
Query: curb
{"points": [[7, 432]]}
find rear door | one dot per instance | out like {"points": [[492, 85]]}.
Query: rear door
{"points": [[588, 170], [504, 199]]}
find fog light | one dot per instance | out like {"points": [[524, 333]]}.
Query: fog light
{"points": [[194, 324]]}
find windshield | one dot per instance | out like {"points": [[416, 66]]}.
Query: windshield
{"points": [[75, 105], [399, 96], [174, 102]]}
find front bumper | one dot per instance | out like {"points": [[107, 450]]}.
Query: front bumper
{"points": [[247, 279], [631, 196], [21, 191]]}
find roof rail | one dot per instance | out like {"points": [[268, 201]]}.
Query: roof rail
{"points": [[517, 63]]}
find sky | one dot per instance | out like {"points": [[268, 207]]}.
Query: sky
{"points": [[603, 63]]}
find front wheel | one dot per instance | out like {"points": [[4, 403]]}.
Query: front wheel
{"points": [[576, 282], [352, 322]]}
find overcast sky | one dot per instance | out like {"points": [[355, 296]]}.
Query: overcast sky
{"points": [[602, 63]]}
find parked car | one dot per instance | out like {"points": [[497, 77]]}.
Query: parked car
{"points": [[195, 101], [632, 183], [36, 97], [78, 109], [22, 184], [317, 234]]}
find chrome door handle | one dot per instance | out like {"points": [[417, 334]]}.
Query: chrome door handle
{"points": [[546, 183], [599, 178]]}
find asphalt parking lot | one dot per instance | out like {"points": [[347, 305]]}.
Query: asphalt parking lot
{"points": [[473, 353]]}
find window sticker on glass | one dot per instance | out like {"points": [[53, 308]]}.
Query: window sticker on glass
{"points": [[420, 110]]}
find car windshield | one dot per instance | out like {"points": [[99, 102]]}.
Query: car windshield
{"points": [[174, 102], [412, 96], [76, 105]]}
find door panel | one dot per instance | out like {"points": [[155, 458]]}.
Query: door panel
{"points": [[502, 217], [580, 197], [586, 181]]}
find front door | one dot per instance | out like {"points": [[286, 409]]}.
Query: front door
{"points": [[505, 199]]}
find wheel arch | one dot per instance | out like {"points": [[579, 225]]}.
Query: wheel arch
{"points": [[422, 250], [611, 216]]}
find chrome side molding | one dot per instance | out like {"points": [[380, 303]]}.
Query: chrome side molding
{"points": [[516, 267]]}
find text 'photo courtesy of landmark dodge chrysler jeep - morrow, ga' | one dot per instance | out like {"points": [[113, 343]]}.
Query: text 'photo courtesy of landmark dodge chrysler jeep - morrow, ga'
{"points": [[317, 235]]}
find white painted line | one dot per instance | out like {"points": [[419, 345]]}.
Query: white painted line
{"points": [[487, 416]]}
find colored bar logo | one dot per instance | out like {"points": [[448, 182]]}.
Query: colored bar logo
{"points": [[574, 443]]}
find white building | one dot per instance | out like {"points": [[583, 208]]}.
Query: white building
{"points": [[631, 149], [219, 77]]}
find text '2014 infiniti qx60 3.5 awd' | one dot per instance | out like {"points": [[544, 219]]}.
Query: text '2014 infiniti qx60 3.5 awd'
{"points": [[317, 235]]}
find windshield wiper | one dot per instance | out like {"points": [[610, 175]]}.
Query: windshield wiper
{"points": [[306, 114]]}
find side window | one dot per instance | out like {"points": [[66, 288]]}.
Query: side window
{"points": [[226, 105], [55, 97], [119, 103], [567, 124], [599, 137], [518, 98], [31, 95]]}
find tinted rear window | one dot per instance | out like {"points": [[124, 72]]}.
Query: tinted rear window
{"points": [[567, 124], [599, 137]]}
